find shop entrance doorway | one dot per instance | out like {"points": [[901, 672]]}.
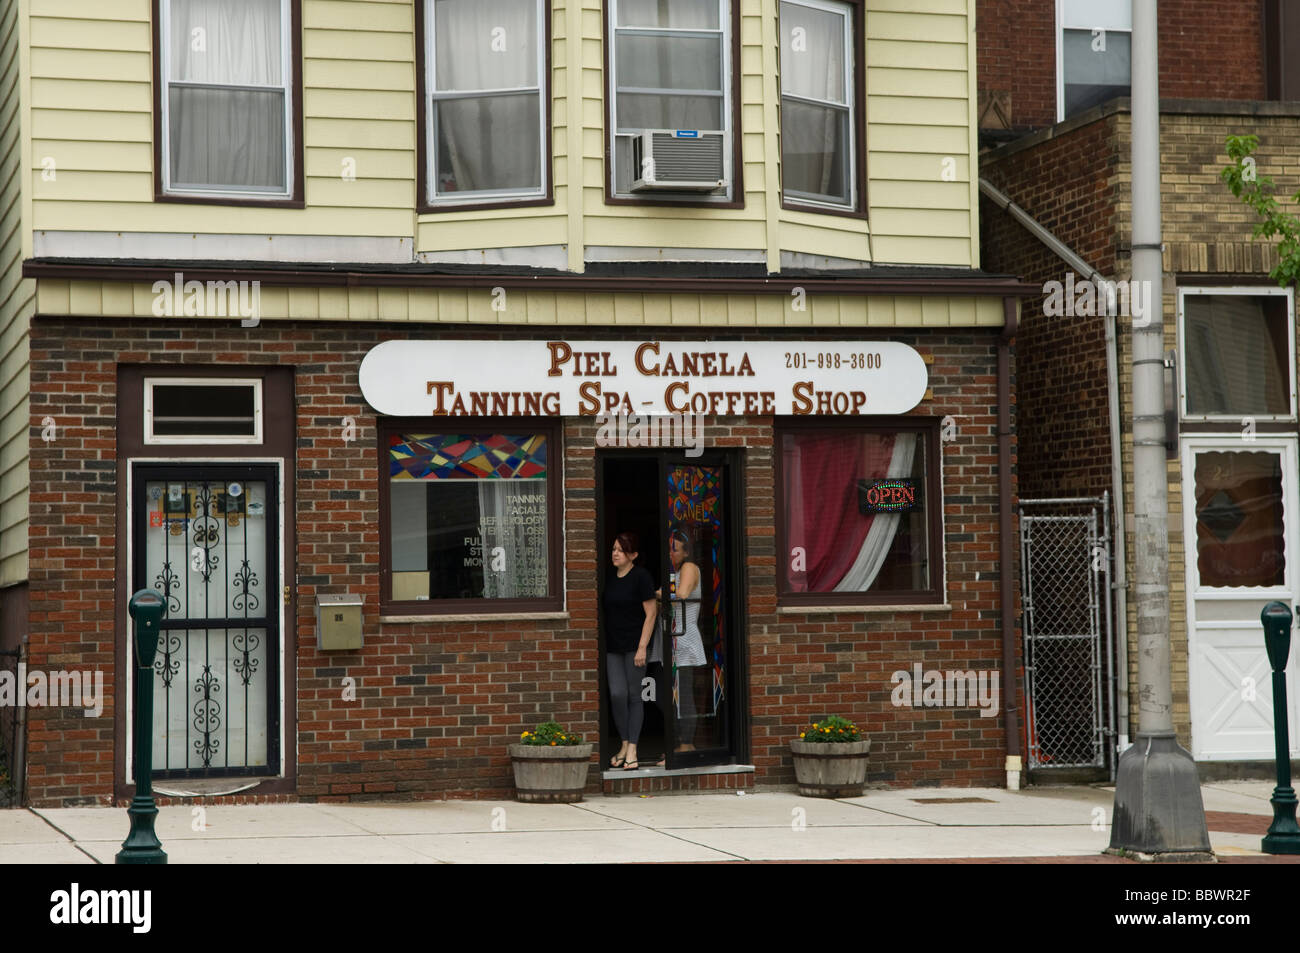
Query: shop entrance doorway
{"points": [[694, 711], [206, 537]]}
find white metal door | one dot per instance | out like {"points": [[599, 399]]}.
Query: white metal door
{"points": [[1240, 536]]}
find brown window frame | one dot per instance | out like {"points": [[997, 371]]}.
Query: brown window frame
{"points": [[928, 428], [294, 200], [857, 113], [423, 205], [737, 200], [554, 600]]}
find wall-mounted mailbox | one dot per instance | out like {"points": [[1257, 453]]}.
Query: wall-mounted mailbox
{"points": [[338, 623]]}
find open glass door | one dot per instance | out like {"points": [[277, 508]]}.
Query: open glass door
{"points": [[696, 675]]}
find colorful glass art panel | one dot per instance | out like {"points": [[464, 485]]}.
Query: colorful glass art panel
{"points": [[695, 497], [467, 457]]}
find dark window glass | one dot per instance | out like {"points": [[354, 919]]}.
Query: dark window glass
{"points": [[204, 410]]}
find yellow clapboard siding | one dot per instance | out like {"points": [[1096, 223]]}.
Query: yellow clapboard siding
{"points": [[911, 250], [89, 156], [359, 103], [469, 234], [346, 133], [92, 33], [905, 167], [887, 193], [70, 185], [908, 54], [126, 10], [222, 220], [889, 81], [837, 223], [346, 14], [91, 114], [75, 94], [337, 192], [812, 240], [359, 74], [91, 126], [476, 305], [321, 162], [913, 110], [907, 25], [669, 232], [942, 140], [918, 6], [93, 65], [336, 44]]}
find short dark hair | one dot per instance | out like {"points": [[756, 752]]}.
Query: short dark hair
{"points": [[685, 540], [629, 543]]}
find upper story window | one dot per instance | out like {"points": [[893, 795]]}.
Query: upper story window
{"points": [[671, 100], [485, 102], [818, 149], [1236, 348], [1092, 53], [226, 113]]}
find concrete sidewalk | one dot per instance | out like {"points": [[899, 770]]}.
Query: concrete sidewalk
{"points": [[928, 823]]}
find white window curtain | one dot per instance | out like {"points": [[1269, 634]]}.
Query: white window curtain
{"points": [[884, 526], [523, 548], [815, 112], [669, 80], [486, 142], [221, 137]]}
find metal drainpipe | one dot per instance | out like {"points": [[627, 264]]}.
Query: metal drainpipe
{"points": [[1120, 584], [1007, 547]]}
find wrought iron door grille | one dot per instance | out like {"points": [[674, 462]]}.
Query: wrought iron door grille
{"points": [[209, 546], [1065, 586]]}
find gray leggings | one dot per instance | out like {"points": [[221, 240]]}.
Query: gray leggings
{"points": [[625, 694]]}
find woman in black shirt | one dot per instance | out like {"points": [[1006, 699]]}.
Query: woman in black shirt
{"points": [[630, 611]]}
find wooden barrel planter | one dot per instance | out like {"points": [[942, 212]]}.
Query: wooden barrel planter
{"points": [[550, 775], [830, 769]]}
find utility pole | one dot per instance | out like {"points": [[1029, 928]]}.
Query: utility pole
{"points": [[1158, 809]]}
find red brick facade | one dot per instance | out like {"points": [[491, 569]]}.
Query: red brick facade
{"points": [[437, 703], [1017, 53], [1067, 183]]}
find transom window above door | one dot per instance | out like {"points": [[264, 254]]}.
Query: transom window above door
{"points": [[485, 93], [1236, 347], [226, 117]]}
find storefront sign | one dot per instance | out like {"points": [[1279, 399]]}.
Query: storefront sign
{"points": [[886, 496], [586, 378]]}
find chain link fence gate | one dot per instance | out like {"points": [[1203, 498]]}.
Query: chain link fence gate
{"points": [[1065, 566]]}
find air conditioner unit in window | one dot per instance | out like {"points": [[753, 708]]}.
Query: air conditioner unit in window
{"points": [[678, 160]]}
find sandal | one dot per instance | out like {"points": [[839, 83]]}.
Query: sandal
{"points": [[632, 766], [617, 761]]}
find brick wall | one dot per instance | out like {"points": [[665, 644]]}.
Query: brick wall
{"points": [[1207, 51], [1067, 183], [1076, 182], [437, 703]]}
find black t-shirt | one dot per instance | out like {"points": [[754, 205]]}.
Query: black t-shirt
{"points": [[624, 612]]}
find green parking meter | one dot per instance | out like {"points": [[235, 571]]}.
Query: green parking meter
{"points": [[142, 845], [1283, 835]]}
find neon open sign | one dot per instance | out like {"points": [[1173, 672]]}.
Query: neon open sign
{"points": [[886, 496]]}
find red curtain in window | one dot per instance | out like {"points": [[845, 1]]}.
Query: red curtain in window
{"points": [[821, 477]]}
